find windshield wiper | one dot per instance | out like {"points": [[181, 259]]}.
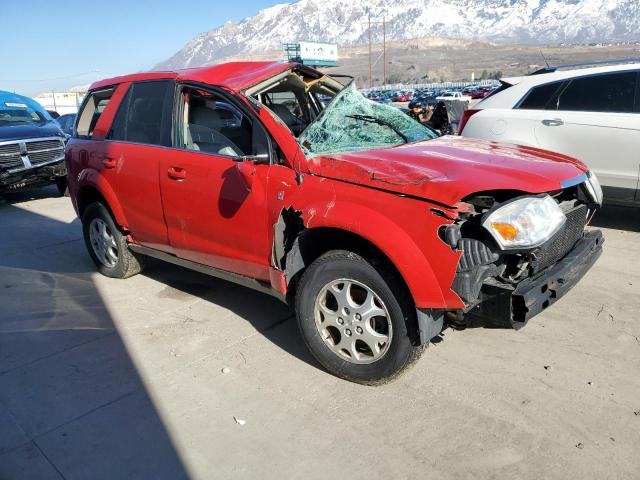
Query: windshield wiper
{"points": [[370, 119]]}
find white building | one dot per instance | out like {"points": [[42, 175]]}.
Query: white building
{"points": [[61, 102]]}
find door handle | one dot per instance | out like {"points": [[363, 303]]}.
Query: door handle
{"points": [[177, 173], [109, 162], [552, 122]]}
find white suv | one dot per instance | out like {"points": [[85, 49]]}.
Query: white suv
{"points": [[592, 114]]}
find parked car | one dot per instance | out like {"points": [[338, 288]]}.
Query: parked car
{"points": [[31, 145], [452, 95], [590, 113], [367, 224], [403, 97], [66, 123], [474, 93]]}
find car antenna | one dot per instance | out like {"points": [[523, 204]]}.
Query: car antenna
{"points": [[545, 60]]}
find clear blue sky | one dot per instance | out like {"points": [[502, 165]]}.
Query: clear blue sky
{"points": [[47, 45]]}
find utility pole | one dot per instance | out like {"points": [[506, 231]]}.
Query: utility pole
{"points": [[384, 49], [370, 75]]}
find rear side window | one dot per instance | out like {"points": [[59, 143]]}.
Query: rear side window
{"points": [[91, 111], [144, 114], [541, 97], [600, 93]]}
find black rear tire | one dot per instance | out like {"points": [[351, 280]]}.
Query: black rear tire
{"points": [[401, 351], [127, 263]]}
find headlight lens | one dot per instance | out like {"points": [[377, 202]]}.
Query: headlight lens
{"points": [[525, 222], [594, 188]]}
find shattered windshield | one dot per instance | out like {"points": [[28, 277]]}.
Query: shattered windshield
{"points": [[354, 123]]}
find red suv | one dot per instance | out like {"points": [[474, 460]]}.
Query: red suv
{"points": [[373, 227]]}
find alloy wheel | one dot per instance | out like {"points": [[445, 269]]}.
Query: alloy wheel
{"points": [[103, 242], [353, 321]]}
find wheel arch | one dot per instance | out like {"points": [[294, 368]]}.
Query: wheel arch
{"points": [[311, 243], [94, 188]]}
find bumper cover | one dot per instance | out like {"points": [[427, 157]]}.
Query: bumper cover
{"points": [[504, 306], [38, 175]]}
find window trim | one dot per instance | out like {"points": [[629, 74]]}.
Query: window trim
{"points": [[178, 111], [83, 105], [636, 107], [567, 82], [167, 114], [561, 87]]}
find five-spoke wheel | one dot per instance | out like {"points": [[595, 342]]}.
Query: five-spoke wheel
{"points": [[353, 321], [107, 245], [103, 243], [356, 318]]}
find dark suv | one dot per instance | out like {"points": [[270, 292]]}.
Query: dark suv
{"points": [[31, 145]]}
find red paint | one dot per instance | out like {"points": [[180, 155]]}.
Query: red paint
{"points": [[233, 75], [214, 211], [448, 169]]}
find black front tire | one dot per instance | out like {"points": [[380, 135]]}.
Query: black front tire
{"points": [[127, 264], [340, 264], [61, 185]]}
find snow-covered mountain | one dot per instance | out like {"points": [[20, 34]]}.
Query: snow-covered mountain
{"points": [[344, 22]]}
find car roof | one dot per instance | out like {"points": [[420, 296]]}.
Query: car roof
{"points": [[520, 86], [552, 76], [232, 75]]}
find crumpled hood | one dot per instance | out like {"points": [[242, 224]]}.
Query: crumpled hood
{"points": [[449, 168]]}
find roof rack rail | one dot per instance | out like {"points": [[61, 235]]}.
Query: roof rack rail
{"points": [[586, 64]]}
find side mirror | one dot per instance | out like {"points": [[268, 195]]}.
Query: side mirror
{"points": [[260, 159], [247, 171], [246, 167]]}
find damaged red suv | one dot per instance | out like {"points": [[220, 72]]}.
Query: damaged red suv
{"points": [[280, 178]]}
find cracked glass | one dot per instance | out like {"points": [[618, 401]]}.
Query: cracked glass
{"points": [[352, 123]]}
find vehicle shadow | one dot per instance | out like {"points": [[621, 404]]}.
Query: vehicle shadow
{"points": [[248, 304], [26, 195], [71, 397], [72, 403], [621, 218]]}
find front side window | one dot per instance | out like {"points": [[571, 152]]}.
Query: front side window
{"points": [[210, 123], [541, 98], [142, 116], [351, 123], [600, 93], [92, 109]]}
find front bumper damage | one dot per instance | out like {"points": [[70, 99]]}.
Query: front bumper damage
{"points": [[32, 177], [512, 306]]}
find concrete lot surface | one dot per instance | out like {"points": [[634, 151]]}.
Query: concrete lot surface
{"points": [[114, 379]]}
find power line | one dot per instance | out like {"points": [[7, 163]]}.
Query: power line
{"points": [[50, 79]]}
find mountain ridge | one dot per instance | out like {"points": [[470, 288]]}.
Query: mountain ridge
{"points": [[345, 22]]}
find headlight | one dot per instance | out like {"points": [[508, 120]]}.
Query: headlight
{"points": [[525, 223], [593, 187]]}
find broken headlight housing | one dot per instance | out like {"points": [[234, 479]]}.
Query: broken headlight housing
{"points": [[525, 222]]}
